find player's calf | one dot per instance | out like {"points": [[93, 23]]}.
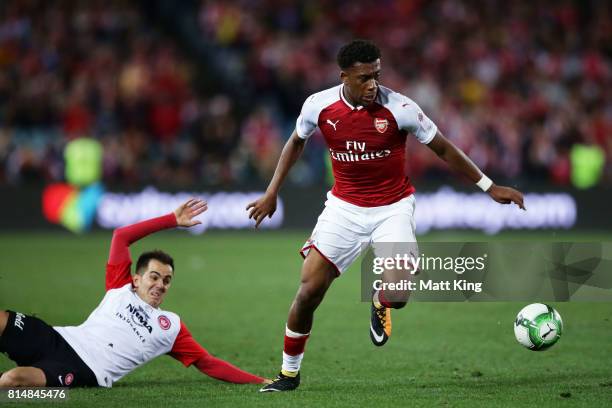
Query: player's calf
{"points": [[392, 293], [392, 299], [304, 305]]}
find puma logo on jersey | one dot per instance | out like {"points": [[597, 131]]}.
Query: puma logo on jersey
{"points": [[332, 123]]}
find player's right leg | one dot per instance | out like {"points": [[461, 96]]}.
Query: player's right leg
{"points": [[394, 235], [316, 277], [382, 303]]}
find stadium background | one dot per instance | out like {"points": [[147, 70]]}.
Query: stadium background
{"points": [[199, 96]]}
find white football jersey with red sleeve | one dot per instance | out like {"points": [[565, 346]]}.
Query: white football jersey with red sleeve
{"points": [[121, 334], [367, 145]]}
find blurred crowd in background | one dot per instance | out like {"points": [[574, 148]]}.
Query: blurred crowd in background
{"points": [[524, 89]]}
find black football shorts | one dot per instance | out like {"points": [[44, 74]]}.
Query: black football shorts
{"points": [[30, 342]]}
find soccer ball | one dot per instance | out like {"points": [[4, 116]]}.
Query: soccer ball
{"points": [[538, 326]]}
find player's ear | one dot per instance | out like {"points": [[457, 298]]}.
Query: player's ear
{"points": [[343, 76], [136, 280]]}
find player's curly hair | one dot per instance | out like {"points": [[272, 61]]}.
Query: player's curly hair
{"points": [[159, 255], [363, 51]]}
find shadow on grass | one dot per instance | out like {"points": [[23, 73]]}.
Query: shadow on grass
{"points": [[158, 383], [173, 382]]}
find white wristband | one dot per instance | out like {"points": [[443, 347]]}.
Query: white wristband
{"points": [[484, 183]]}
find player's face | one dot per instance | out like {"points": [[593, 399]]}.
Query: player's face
{"points": [[361, 82], [153, 284]]}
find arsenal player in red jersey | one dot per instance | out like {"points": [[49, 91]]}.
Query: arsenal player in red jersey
{"points": [[126, 330], [365, 126]]}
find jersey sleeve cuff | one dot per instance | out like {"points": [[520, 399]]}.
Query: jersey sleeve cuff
{"points": [[300, 135], [169, 220], [431, 135]]}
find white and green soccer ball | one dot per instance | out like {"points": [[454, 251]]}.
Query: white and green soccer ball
{"points": [[538, 326]]}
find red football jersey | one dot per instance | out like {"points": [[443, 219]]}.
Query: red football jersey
{"points": [[366, 144]]}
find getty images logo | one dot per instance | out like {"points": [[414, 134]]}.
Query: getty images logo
{"points": [[139, 317]]}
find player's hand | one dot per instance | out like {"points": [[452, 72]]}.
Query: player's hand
{"points": [[265, 206], [186, 213], [506, 195], [267, 381]]}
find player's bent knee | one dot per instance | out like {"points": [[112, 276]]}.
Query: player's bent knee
{"points": [[310, 293], [23, 377], [10, 378], [315, 265]]}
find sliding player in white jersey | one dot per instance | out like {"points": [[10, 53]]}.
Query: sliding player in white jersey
{"points": [[125, 331], [365, 126]]}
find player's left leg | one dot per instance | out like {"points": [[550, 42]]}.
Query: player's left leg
{"points": [[316, 277], [23, 377], [333, 246]]}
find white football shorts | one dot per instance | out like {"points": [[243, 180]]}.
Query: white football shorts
{"points": [[343, 230]]}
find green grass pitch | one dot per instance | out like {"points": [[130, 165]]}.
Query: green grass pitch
{"points": [[233, 291]]}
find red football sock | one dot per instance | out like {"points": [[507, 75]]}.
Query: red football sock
{"points": [[295, 345]]}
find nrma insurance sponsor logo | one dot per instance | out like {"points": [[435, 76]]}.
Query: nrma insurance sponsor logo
{"points": [[139, 317]]}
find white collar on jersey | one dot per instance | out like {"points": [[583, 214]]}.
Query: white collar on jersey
{"points": [[346, 101]]}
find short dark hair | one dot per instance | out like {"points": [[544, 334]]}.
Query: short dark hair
{"points": [[159, 255], [363, 51]]}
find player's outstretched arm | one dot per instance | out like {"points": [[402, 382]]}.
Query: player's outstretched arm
{"points": [[266, 204], [458, 161], [118, 267], [189, 352]]}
